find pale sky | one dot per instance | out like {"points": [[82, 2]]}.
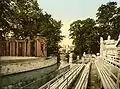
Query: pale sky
{"points": [[70, 10]]}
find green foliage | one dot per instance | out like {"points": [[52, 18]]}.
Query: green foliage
{"points": [[24, 18], [83, 33], [108, 18], [86, 33]]}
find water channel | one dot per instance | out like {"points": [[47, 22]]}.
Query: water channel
{"points": [[31, 79]]}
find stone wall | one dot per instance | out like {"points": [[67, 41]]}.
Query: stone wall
{"points": [[11, 65]]}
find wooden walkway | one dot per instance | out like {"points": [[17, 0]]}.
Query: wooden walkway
{"points": [[105, 75], [96, 74], [63, 80]]}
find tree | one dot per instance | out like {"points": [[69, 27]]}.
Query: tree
{"points": [[83, 33], [6, 13], [108, 19], [86, 33], [21, 17], [115, 21], [24, 18], [52, 33]]}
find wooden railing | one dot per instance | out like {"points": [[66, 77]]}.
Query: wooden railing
{"points": [[62, 70], [83, 81], [68, 80], [64, 79], [106, 75], [115, 61]]}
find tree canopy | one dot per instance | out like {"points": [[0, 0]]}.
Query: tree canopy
{"points": [[108, 18], [86, 33], [84, 36], [24, 18]]}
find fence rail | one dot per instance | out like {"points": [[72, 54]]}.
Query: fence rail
{"points": [[68, 80], [114, 62], [105, 75], [83, 81], [64, 79], [37, 82]]}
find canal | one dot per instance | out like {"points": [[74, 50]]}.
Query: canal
{"points": [[31, 79]]}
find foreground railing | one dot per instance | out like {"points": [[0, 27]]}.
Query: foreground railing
{"points": [[83, 81], [37, 82], [107, 77], [115, 66], [114, 61], [47, 85], [68, 80], [64, 79]]}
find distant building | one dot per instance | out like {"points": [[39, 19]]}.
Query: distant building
{"points": [[109, 47], [65, 49], [26, 47]]}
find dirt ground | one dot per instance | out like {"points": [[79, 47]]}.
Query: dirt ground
{"points": [[94, 82]]}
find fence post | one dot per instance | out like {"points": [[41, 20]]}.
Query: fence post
{"points": [[67, 83], [118, 79]]}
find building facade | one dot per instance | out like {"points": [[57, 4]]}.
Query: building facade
{"points": [[26, 47]]}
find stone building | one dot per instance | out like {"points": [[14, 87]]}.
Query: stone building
{"points": [[109, 47], [26, 47]]}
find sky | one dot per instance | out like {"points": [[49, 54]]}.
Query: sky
{"points": [[71, 10]]}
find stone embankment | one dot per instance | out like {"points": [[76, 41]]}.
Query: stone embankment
{"points": [[11, 65]]}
